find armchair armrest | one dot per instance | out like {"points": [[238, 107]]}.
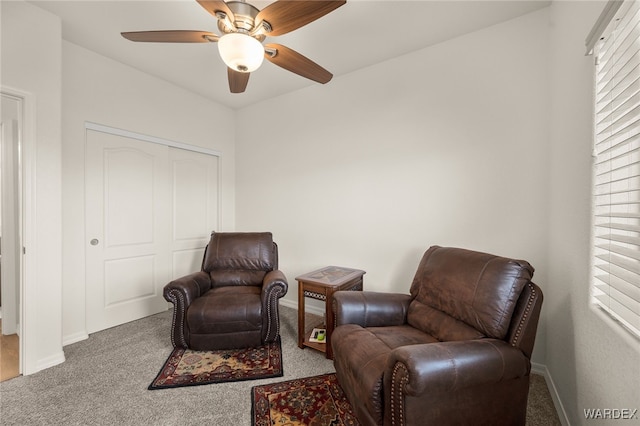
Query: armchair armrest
{"points": [[451, 366], [274, 286], [274, 279], [181, 293], [444, 374], [370, 309], [189, 287]]}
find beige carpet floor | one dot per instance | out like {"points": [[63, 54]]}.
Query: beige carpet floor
{"points": [[104, 382]]}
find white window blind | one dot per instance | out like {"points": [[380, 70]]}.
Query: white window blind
{"points": [[615, 285]]}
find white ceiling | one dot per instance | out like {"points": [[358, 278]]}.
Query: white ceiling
{"points": [[356, 35]]}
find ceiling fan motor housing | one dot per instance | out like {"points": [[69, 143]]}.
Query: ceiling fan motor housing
{"points": [[244, 15]]}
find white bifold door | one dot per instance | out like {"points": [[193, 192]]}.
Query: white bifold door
{"points": [[150, 209]]}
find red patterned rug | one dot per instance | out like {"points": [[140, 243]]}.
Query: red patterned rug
{"points": [[317, 401], [191, 368]]}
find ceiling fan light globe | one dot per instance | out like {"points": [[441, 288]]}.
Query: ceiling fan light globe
{"points": [[241, 52]]}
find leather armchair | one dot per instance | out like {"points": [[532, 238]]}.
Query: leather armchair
{"points": [[456, 350], [233, 301]]}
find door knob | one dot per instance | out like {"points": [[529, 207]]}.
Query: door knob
{"points": [[94, 242]]}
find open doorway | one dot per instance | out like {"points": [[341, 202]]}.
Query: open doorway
{"points": [[10, 235]]}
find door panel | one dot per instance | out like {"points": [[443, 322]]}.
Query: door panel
{"points": [[127, 280], [129, 197], [187, 261], [127, 262], [194, 188]]}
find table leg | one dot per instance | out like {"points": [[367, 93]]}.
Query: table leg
{"points": [[301, 325], [329, 321]]}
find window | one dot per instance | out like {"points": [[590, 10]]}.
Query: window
{"points": [[615, 285]]}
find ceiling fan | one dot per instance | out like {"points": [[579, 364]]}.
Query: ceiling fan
{"points": [[244, 28]]}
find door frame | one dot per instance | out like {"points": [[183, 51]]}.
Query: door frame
{"points": [[88, 125], [26, 218]]}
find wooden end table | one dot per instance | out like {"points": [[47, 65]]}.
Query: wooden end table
{"points": [[321, 285]]}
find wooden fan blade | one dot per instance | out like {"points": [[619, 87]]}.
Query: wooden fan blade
{"points": [[237, 80], [286, 15], [213, 6], [292, 61], [170, 36]]}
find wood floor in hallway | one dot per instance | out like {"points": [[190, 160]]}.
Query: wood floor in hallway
{"points": [[9, 360]]}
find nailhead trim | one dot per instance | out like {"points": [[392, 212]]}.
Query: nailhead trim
{"points": [[177, 298], [397, 387], [527, 311], [273, 296]]}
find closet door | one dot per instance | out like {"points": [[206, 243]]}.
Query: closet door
{"points": [[150, 210], [127, 218], [194, 197]]}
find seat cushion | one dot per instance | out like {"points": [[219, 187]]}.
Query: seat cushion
{"points": [[360, 359], [226, 310], [401, 335]]}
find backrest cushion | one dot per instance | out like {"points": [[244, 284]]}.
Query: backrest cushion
{"points": [[239, 258], [460, 293]]}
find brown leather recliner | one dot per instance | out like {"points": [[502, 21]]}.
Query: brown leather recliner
{"points": [[456, 350], [233, 301]]}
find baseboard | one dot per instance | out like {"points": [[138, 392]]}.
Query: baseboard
{"points": [[309, 308], [74, 338], [542, 370], [50, 361]]}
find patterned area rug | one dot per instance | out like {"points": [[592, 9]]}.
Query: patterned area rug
{"points": [[191, 368], [317, 401]]}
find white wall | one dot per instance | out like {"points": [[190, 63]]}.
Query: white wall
{"points": [[31, 64], [103, 91], [593, 364], [447, 145]]}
